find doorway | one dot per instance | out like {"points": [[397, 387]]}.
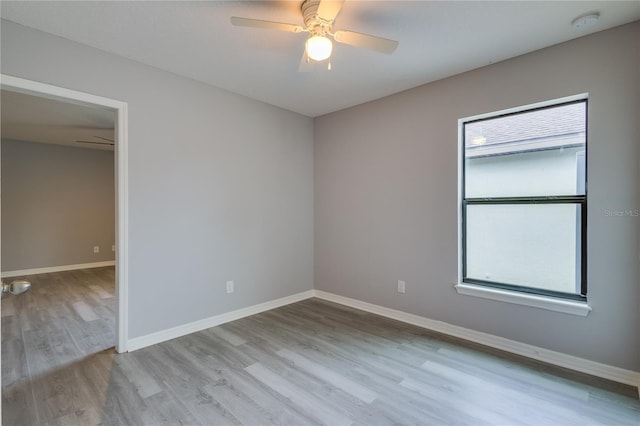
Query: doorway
{"points": [[119, 109]]}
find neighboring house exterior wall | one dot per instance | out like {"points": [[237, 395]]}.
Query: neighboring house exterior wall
{"points": [[58, 203], [542, 173], [533, 246]]}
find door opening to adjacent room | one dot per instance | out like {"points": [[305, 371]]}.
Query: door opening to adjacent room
{"points": [[82, 132]]}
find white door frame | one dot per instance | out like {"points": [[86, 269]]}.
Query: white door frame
{"points": [[35, 88]]}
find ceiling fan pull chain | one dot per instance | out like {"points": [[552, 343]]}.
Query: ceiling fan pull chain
{"points": [[329, 65]]}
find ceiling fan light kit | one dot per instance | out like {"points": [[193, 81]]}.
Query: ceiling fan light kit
{"points": [[318, 48], [318, 17]]}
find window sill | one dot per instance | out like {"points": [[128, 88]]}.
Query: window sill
{"points": [[571, 307]]}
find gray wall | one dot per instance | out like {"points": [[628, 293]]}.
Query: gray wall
{"points": [[220, 186], [57, 204], [386, 196]]}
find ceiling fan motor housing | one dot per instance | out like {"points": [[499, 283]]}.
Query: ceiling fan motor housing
{"points": [[314, 23]]}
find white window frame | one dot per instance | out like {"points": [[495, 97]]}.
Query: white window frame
{"points": [[573, 307]]}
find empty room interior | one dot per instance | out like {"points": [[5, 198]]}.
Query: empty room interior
{"points": [[320, 212]]}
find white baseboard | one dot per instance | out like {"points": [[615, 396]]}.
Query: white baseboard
{"points": [[593, 368], [49, 269], [183, 330]]}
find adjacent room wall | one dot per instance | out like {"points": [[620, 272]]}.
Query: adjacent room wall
{"points": [[220, 186], [58, 203], [386, 190]]}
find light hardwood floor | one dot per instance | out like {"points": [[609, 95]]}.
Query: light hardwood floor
{"points": [[311, 362]]}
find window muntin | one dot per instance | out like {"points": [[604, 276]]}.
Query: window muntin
{"points": [[524, 201]]}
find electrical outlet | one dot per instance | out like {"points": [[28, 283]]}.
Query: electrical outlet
{"points": [[401, 286], [229, 286], [96, 249], [113, 248]]}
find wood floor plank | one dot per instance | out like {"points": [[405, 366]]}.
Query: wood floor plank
{"points": [[164, 409], [244, 409], [330, 376], [311, 362], [18, 403], [100, 291], [512, 396], [85, 311], [185, 381], [324, 393], [144, 383], [477, 410], [254, 404], [48, 348], [303, 399], [122, 404], [510, 371], [8, 307], [13, 349], [227, 335]]}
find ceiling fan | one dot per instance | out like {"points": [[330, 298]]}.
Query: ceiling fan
{"points": [[318, 17], [109, 142]]}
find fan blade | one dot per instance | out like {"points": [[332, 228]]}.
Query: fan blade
{"points": [[104, 139], [270, 25], [305, 63], [379, 44], [96, 143], [329, 9]]}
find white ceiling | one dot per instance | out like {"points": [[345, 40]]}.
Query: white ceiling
{"points": [[437, 39], [36, 119]]}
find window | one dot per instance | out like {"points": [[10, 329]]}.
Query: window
{"points": [[523, 200]]}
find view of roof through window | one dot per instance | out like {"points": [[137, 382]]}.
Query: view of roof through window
{"points": [[549, 128]]}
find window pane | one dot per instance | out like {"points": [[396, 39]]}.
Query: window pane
{"points": [[536, 153], [531, 245]]}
